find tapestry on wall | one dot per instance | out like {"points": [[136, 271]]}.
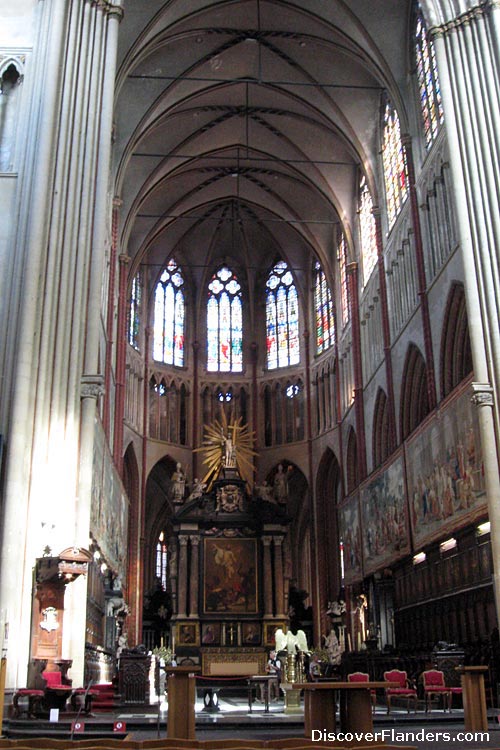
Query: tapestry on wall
{"points": [[109, 511], [445, 472], [350, 534], [384, 518]]}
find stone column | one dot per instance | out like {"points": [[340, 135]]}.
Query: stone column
{"points": [[467, 53], [182, 577], [194, 581], [352, 278], [278, 573], [172, 571], [267, 577]]}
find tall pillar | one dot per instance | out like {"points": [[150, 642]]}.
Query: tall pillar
{"points": [[352, 278], [63, 202], [467, 53], [182, 577], [267, 577], [386, 332], [121, 357], [422, 283], [194, 580]]}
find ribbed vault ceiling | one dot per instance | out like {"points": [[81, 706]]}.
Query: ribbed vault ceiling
{"points": [[242, 127]]}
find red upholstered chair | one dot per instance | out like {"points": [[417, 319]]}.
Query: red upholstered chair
{"points": [[56, 693], [363, 677], [434, 684], [402, 691]]}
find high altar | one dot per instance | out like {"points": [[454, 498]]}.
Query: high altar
{"points": [[228, 562]]}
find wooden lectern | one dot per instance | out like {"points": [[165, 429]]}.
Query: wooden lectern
{"points": [[181, 693], [474, 697]]}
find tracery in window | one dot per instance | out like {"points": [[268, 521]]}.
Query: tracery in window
{"points": [[134, 317], [367, 230], [161, 561], [428, 81], [323, 305], [395, 165], [168, 336], [282, 318], [344, 293], [224, 323]]}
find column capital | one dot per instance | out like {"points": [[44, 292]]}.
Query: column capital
{"points": [[183, 540], [195, 540], [266, 541], [124, 259], [110, 8], [464, 19], [92, 386], [482, 394]]}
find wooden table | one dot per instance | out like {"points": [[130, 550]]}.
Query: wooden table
{"points": [[261, 683], [181, 693], [355, 705]]}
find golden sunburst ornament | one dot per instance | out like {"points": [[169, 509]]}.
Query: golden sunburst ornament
{"points": [[228, 447]]}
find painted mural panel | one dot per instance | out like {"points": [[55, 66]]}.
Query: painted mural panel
{"points": [[350, 534], [109, 509], [384, 518], [445, 472]]}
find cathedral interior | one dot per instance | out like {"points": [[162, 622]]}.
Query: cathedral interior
{"points": [[250, 348]]}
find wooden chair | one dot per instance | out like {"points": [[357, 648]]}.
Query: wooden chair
{"points": [[402, 691], [363, 677], [435, 685]]}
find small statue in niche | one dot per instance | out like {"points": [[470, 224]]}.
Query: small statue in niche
{"points": [[178, 485], [265, 492], [333, 648], [280, 484]]}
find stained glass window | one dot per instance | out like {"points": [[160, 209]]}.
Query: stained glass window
{"points": [[161, 561], [282, 318], [168, 336], [367, 228], [323, 306], [224, 323], [134, 317], [344, 293], [395, 166], [428, 81]]}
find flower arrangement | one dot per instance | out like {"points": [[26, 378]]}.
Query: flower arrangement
{"points": [[163, 653]]}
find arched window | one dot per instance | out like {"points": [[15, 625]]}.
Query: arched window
{"points": [[344, 294], [161, 561], [134, 317], [323, 305], [367, 230], [11, 78], [428, 81], [395, 165], [168, 337], [282, 318], [224, 323]]}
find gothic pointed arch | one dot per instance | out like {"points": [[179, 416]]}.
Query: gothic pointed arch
{"points": [[328, 495], [414, 394], [380, 437], [456, 354], [352, 473], [158, 511], [134, 571]]}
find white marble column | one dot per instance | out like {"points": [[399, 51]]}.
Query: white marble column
{"points": [[467, 53]]}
